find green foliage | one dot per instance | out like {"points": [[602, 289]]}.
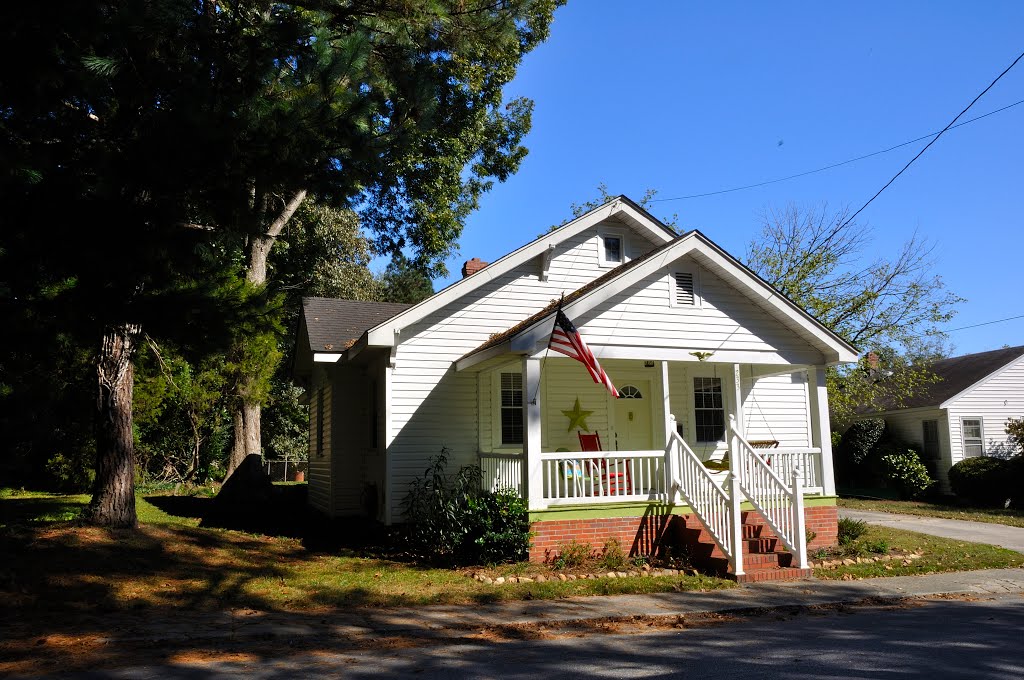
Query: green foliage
{"points": [[1015, 434], [579, 209], [180, 415], [902, 467], [981, 480], [850, 530], [452, 521], [894, 306], [572, 555], [69, 472], [860, 439], [613, 557], [879, 546], [286, 423], [403, 281]]}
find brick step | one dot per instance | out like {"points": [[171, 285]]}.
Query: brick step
{"points": [[776, 574], [760, 545]]}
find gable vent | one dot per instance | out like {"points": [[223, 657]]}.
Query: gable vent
{"points": [[684, 288]]}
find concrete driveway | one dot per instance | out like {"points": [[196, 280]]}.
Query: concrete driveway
{"points": [[961, 530]]}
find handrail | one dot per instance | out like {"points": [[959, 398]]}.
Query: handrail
{"points": [[779, 503], [717, 510]]}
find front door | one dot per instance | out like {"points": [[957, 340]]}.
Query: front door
{"points": [[932, 451], [633, 417]]}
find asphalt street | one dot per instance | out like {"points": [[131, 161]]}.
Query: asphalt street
{"points": [[973, 637]]}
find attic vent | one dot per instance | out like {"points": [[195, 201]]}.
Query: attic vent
{"points": [[684, 288]]}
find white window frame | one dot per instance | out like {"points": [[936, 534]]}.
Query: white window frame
{"points": [[496, 441], [698, 300], [720, 443], [602, 261], [976, 441]]}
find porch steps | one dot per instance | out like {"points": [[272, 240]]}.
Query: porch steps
{"points": [[764, 556]]}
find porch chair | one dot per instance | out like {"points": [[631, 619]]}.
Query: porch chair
{"points": [[615, 482]]}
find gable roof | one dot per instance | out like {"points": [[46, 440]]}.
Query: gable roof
{"points": [[959, 374], [334, 325], [620, 207], [601, 288]]}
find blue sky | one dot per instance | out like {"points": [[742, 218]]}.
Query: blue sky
{"points": [[689, 97]]}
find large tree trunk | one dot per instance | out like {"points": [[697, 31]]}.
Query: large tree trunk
{"points": [[113, 495], [247, 416]]}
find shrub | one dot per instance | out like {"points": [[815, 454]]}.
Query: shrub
{"points": [[860, 438], [572, 554], [902, 467], [613, 558], [850, 530], [1015, 481], [981, 480], [1015, 434], [452, 520], [881, 546]]}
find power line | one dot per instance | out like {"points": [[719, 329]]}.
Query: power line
{"points": [[986, 323], [935, 139], [833, 165]]}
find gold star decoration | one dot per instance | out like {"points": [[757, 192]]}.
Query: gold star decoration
{"points": [[577, 417]]}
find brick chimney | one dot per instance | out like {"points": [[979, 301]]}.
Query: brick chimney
{"points": [[473, 266]]}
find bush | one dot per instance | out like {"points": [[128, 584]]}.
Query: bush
{"points": [[453, 521], [1015, 481], [572, 554], [880, 547], [850, 530], [860, 438], [901, 466], [981, 480], [613, 558]]}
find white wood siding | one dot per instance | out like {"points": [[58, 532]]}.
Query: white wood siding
{"points": [[907, 425], [432, 405], [319, 474], [997, 399], [776, 407], [642, 316], [350, 432]]}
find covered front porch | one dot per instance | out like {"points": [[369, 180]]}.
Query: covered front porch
{"points": [[534, 410]]}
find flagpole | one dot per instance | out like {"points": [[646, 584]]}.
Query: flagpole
{"points": [[547, 350]]}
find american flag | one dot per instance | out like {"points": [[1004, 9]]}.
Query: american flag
{"points": [[567, 340]]}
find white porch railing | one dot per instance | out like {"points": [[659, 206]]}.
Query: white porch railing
{"points": [[572, 477], [502, 471], [807, 460], [781, 505], [717, 510]]}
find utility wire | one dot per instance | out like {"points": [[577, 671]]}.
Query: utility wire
{"points": [[986, 323], [936, 138], [833, 165]]}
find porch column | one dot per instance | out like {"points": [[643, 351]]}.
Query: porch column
{"points": [[821, 427], [666, 403], [533, 479], [737, 386]]}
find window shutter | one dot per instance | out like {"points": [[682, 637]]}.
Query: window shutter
{"points": [[684, 288]]}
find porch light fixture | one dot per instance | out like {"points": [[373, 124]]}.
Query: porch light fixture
{"points": [[648, 364]]}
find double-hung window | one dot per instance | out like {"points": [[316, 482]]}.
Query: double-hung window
{"points": [[511, 408], [708, 409], [974, 436]]}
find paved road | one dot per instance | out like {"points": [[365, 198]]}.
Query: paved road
{"points": [[977, 639], [979, 532]]}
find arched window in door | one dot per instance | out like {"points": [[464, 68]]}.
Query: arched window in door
{"points": [[629, 392]]}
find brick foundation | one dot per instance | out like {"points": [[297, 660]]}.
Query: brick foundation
{"points": [[645, 535]]}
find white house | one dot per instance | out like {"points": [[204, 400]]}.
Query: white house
{"points": [[707, 357], [964, 413]]}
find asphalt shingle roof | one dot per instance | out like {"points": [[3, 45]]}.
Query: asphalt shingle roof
{"points": [[334, 324], [958, 373]]}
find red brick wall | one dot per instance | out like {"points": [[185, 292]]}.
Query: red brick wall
{"points": [[824, 522], [636, 535], [644, 535]]}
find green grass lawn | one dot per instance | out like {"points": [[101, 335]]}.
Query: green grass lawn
{"points": [[937, 555], [1011, 517], [55, 564]]}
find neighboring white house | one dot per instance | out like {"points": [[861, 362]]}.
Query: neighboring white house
{"points": [[964, 414], [690, 336]]}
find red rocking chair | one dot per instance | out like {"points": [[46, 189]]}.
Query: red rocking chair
{"points": [[616, 482]]}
